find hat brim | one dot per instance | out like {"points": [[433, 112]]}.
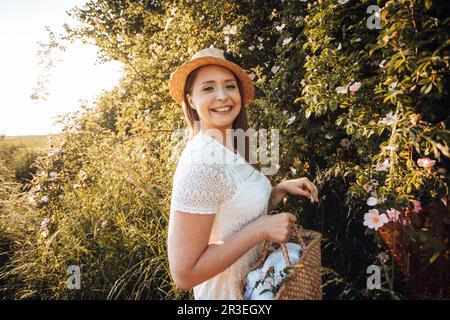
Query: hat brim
{"points": [[178, 77]]}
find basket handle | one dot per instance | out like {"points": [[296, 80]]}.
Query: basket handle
{"points": [[298, 233]]}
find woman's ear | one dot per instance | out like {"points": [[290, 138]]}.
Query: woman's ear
{"points": [[189, 99]]}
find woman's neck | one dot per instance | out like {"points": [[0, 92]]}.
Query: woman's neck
{"points": [[224, 136]]}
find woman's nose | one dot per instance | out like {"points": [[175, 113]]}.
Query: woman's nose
{"points": [[221, 94]]}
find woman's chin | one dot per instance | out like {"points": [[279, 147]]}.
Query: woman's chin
{"points": [[223, 118]]}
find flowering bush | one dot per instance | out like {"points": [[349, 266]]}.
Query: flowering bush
{"points": [[387, 98]]}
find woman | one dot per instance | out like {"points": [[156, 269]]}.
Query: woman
{"points": [[218, 216]]}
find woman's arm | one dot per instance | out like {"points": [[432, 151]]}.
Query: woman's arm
{"points": [[277, 194], [193, 260]]}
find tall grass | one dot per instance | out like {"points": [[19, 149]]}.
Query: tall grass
{"points": [[107, 213]]}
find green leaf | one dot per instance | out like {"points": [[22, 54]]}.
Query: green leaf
{"points": [[434, 257], [426, 89], [308, 113], [349, 130], [333, 106]]}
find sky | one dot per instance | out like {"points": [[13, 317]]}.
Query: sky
{"points": [[77, 77]]}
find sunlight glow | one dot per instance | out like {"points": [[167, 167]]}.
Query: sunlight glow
{"points": [[77, 77]]}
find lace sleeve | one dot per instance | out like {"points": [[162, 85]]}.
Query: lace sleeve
{"points": [[201, 188]]}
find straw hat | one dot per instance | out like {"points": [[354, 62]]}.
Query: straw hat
{"points": [[204, 57]]}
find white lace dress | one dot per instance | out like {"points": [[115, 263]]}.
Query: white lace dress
{"points": [[212, 179]]}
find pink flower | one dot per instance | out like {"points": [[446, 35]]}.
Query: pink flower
{"points": [[44, 223], [374, 220], [372, 201], [291, 119], [417, 206], [275, 69], [286, 41], [393, 214], [382, 167], [383, 256], [342, 89], [355, 87], [279, 28], [426, 162]]}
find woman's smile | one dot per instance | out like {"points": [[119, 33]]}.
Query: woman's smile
{"points": [[223, 110]]}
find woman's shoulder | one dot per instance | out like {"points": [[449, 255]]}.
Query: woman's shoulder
{"points": [[201, 174]]}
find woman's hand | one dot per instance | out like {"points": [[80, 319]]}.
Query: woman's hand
{"points": [[277, 227], [301, 186]]}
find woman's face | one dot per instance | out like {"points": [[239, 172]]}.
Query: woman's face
{"points": [[215, 87]]}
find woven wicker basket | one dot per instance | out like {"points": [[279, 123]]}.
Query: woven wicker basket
{"points": [[304, 279]]}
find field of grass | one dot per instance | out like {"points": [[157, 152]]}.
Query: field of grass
{"points": [[18, 153], [38, 142], [111, 220]]}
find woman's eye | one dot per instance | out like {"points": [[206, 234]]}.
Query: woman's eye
{"points": [[229, 86]]}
